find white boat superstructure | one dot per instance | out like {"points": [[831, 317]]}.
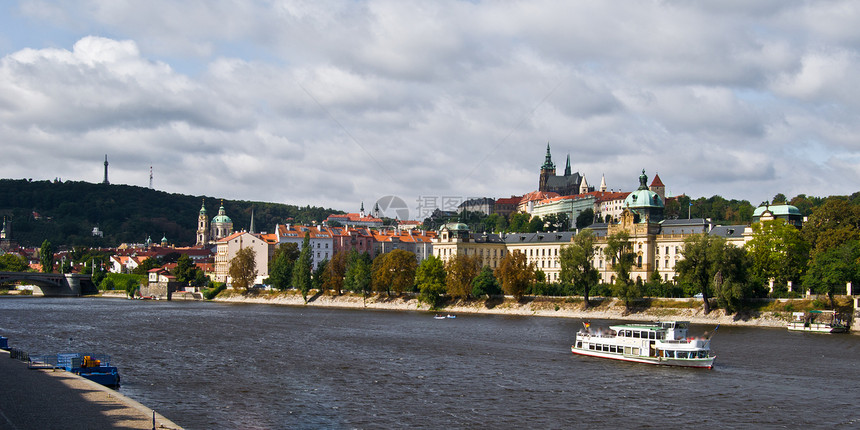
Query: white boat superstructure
{"points": [[817, 322], [662, 343]]}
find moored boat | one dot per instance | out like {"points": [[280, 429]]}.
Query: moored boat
{"points": [[662, 343], [95, 367], [817, 322]]}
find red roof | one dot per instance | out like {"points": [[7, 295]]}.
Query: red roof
{"points": [[657, 182], [605, 196], [513, 200], [538, 195], [352, 217]]}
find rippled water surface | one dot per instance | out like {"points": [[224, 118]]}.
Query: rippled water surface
{"points": [[228, 366]]}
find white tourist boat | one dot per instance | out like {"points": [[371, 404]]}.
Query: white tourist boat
{"points": [[817, 322], [663, 343]]}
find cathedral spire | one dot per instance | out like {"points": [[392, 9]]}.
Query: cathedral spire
{"points": [[548, 164], [567, 171]]}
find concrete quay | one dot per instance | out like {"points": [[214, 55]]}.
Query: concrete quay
{"points": [[56, 399]]}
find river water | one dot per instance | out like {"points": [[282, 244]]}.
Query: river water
{"points": [[234, 366]]}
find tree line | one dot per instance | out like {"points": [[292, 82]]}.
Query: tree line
{"points": [[822, 257], [66, 212]]}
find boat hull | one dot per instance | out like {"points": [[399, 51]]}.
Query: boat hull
{"points": [[702, 363]]}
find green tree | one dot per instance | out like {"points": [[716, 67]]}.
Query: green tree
{"points": [[394, 270], [493, 222], [303, 268], [200, 279], [461, 271], [832, 224], [515, 274], [711, 264], [46, 256], [778, 252], [485, 284], [585, 218], [243, 269], [779, 199], [13, 263], [131, 286], [654, 286], [146, 265], [185, 270], [577, 263], [556, 222], [430, 279], [357, 277], [535, 225], [320, 275], [336, 270], [619, 247], [281, 266], [518, 222], [672, 210], [831, 270], [731, 286]]}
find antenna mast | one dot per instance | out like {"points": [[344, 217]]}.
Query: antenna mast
{"points": [[150, 177]]}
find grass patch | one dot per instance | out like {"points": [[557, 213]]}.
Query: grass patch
{"points": [[675, 304]]}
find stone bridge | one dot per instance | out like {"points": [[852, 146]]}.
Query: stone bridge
{"points": [[53, 284]]}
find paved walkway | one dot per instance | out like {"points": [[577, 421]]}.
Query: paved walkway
{"points": [[47, 399]]}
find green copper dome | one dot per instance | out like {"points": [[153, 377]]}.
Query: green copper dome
{"points": [[643, 197], [222, 216], [777, 210], [456, 226]]}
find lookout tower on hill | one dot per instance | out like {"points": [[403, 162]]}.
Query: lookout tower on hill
{"points": [[106, 169]]}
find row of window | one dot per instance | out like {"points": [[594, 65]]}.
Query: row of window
{"points": [[617, 349], [638, 334]]}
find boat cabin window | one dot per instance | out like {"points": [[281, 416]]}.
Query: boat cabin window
{"points": [[652, 335], [637, 334]]}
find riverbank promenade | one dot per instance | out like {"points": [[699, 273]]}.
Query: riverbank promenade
{"points": [[55, 399]]}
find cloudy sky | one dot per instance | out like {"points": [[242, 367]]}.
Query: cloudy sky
{"points": [[331, 103]]}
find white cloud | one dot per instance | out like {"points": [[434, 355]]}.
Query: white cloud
{"points": [[331, 103]]}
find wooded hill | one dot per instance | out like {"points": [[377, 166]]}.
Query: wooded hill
{"points": [[65, 213]]}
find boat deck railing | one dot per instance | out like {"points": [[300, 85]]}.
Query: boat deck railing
{"points": [[42, 362], [65, 360]]}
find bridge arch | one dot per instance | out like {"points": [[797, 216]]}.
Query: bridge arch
{"points": [[51, 284]]}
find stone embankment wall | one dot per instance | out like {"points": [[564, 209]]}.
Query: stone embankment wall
{"points": [[160, 290]]}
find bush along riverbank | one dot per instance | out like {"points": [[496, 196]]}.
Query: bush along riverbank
{"points": [[759, 312], [763, 313]]}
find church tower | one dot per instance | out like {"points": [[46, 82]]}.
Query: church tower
{"points": [[202, 226], [567, 171], [658, 187], [547, 170]]}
